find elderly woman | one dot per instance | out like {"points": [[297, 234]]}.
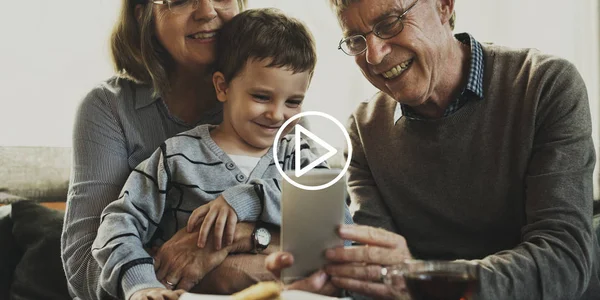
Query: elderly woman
{"points": [[161, 51]]}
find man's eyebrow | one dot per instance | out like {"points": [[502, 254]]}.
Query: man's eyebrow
{"points": [[389, 12]]}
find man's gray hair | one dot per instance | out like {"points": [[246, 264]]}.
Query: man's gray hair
{"points": [[340, 5]]}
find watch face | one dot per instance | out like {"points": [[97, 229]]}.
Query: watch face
{"points": [[263, 236]]}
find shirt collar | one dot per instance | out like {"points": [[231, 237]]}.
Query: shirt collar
{"points": [[144, 96], [474, 83]]}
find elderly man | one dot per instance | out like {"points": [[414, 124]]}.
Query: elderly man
{"points": [[469, 151]]}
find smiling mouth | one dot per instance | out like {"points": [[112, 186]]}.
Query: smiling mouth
{"points": [[397, 70], [268, 127], [203, 35]]}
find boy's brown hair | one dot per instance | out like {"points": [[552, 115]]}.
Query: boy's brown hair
{"points": [[265, 33]]}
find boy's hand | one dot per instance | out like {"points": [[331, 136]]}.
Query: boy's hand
{"points": [[156, 294], [221, 214]]}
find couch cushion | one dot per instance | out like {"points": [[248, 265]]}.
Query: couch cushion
{"points": [[9, 252], [6, 198], [39, 274], [35, 173]]}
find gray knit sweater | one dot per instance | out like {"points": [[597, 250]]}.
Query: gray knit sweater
{"points": [[506, 181], [187, 171]]}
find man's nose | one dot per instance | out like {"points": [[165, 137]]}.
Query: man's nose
{"points": [[205, 10], [377, 49]]}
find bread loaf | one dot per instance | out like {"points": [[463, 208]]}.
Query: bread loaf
{"points": [[266, 290]]}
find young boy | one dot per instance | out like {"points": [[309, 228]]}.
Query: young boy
{"points": [[215, 175]]}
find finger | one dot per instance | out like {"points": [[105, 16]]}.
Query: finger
{"points": [[206, 227], [230, 227], [173, 273], [166, 285], [375, 290], [329, 290], [220, 227], [179, 292], [314, 283], [366, 254], [355, 271], [371, 236], [193, 274], [195, 217], [172, 295], [154, 295], [174, 277], [138, 296], [187, 283], [156, 264], [162, 268], [278, 261]]}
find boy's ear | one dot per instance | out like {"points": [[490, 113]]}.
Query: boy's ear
{"points": [[220, 86]]}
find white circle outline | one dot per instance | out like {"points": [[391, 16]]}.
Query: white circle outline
{"points": [[276, 142]]}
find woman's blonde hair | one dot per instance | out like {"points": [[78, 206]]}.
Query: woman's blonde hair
{"points": [[136, 53]]}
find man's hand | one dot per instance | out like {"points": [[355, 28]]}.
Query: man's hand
{"points": [[156, 294], [219, 213], [317, 283], [358, 268], [182, 263]]}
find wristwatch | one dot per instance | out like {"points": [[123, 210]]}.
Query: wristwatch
{"points": [[261, 238]]}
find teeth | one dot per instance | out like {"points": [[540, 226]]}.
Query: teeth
{"points": [[203, 35], [397, 70]]}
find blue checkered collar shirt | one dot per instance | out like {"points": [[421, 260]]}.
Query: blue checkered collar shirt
{"points": [[473, 89]]}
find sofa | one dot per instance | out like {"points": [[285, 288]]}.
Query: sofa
{"points": [[33, 190]]}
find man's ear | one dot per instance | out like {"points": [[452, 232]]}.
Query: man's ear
{"points": [[445, 9], [139, 9], [220, 86]]}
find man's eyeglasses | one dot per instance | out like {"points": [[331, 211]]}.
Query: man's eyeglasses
{"points": [[178, 6], [384, 29]]}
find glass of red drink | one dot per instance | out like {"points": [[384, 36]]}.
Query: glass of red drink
{"points": [[432, 280]]}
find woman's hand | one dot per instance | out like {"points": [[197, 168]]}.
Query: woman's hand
{"points": [[180, 262], [241, 271], [317, 283], [358, 268], [156, 294]]}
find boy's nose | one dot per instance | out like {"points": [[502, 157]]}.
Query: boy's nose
{"points": [[275, 113]]}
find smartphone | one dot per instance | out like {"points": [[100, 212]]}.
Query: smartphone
{"points": [[309, 220]]}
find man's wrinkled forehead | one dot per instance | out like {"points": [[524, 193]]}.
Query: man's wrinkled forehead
{"points": [[359, 15]]}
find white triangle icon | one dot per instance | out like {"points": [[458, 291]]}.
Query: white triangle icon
{"points": [[299, 130]]}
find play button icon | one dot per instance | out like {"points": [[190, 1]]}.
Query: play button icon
{"points": [[301, 132], [331, 151]]}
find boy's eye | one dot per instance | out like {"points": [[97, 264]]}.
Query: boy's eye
{"points": [[260, 97], [294, 103]]}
